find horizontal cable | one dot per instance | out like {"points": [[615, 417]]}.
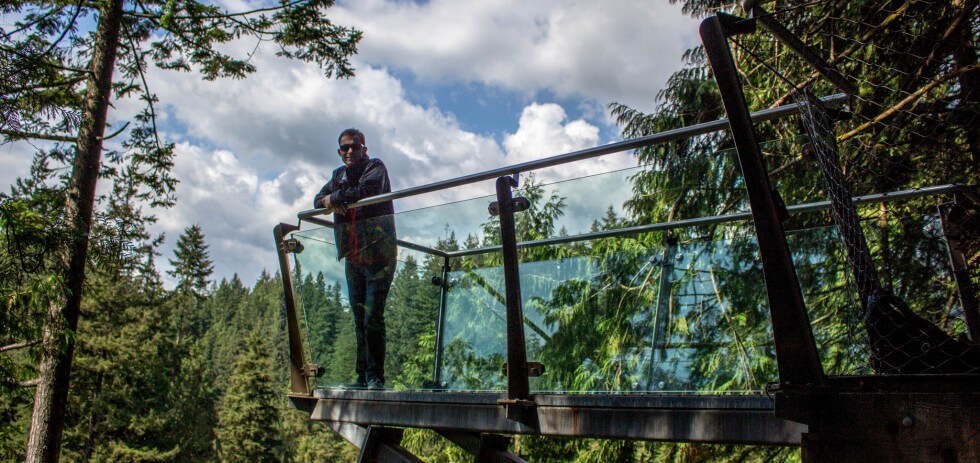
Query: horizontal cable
{"points": [[702, 221], [673, 225], [655, 139]]}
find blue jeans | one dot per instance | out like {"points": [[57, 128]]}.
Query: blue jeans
{"points": [[367, 287]]}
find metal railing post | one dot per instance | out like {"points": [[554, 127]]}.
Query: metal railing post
{"points": [[796, 351], [519, 405], [297, 365], [441, 324], [659, 341], [948, 214]]}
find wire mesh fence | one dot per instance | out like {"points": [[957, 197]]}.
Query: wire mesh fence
{"points": [[911, 122]]}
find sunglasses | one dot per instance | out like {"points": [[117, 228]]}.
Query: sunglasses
{"points": [[351, 146]]}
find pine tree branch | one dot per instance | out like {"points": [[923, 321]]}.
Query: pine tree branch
{"points": [[62, 138], [64, 33], [37, 136], [66, 83], [146, 87], [41, 60], [19, 345], [31, 24], [857, 45], [953, 27], [222, 16], [911, 99], [30, 383]]}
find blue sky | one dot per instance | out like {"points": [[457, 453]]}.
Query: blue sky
{"points": [[443, 88]]}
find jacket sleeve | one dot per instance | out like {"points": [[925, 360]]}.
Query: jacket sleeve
{"points": [[326, 190], [374, 181]]}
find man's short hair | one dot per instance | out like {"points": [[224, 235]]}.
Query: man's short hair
{"points": [[353, 134]]}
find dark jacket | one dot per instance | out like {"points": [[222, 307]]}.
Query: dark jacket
{"points": [[364, 234]]}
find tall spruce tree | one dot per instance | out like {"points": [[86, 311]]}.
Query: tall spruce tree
{"points": [[192, 265]]}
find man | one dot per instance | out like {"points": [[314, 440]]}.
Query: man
{"points": [[365, 237]]}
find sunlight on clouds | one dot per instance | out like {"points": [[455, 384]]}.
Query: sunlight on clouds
{"points": [[235, 208], [618, 50], [253, 152], [544, 132], [541, 134]]}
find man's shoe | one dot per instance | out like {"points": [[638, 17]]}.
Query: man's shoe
{"points": [[375, 384], [355, 385]]}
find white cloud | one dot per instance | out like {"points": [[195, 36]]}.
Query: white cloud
{"points": [[15, 162], [618, 50], [237, 198], [252, 152]]}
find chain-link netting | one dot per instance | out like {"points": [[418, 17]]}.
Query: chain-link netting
{"points": [[911, 122], [899, 340]]}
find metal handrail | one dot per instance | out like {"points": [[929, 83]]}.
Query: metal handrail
{"points": [[717, 219], [676, 224], [574, 156]]}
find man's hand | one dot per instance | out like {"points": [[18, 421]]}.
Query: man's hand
{"points": [[338, 208]]}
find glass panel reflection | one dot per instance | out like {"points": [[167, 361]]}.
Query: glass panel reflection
{"points": [[685, 317], [639, 313], [321, 288]]}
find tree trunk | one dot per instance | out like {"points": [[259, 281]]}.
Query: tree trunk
{"points": [[51, 397]]}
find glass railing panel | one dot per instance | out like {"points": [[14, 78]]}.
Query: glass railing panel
{"points": [[665, 318], [322, 292], [597, 321], [474, 346], [622, 316], [450, 225], [911, 259]]}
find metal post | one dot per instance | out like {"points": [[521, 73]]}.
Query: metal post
{"points": [[961, 272], [794, 43], [518, 389], [441, 325], [297, 368], [658, 345], [796, 352]]}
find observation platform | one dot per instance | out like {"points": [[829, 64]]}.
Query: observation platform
{"points": [[633, 304]]}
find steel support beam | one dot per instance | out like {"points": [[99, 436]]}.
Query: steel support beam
{"points": [[383, 445], [952, 217], [485, 448], [726, 419], [796, 351], [886, 418]]}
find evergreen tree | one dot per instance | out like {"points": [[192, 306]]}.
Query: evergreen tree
{"points": [[248, 415], [194, 402], [57, 84], [411, 311], [191, 265], [29, 284]]}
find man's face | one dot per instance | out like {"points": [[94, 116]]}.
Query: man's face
{"points": [[350, 150]]}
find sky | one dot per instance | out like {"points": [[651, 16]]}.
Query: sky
{"points": [[443, 88]]}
